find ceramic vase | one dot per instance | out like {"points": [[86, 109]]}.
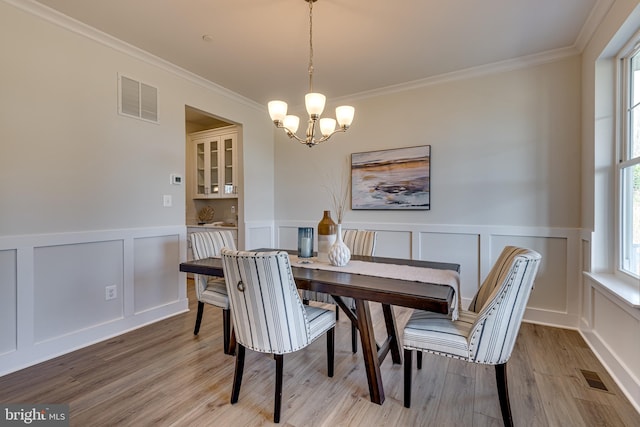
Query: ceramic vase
{"points": [[326, 236], [339, 253]]}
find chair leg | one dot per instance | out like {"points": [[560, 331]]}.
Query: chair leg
{"points": [[503, 394], [226, 331], [354, 338], [278, 398], [337, 313], [407, 377], [330, 350], [198, 318], [419, 359], [237, 376]]}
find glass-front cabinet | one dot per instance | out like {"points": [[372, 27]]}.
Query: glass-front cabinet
{"points": [[215, 163]]}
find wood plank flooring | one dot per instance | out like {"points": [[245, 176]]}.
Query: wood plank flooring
{"points": [[163, 375]]}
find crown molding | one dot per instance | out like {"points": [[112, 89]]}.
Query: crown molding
{"points": [[596, 16], [73, 25], [468, 73]]}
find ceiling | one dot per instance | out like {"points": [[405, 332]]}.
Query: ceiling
{"points": [[260, 48]]}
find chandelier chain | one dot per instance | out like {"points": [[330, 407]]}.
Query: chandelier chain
{"points": [[310, 45]]}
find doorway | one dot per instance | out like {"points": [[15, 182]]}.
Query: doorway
{"points": [[223, 209]]}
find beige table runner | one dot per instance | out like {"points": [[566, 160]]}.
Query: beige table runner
{"points": [[393, 271]]}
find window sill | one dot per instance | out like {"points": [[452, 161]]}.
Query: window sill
{"points": [[624, 291]]}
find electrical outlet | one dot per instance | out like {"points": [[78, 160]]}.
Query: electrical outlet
{"points": [[110, 292], [166, 201]]}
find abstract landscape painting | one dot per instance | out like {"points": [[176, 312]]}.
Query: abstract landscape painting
{"points": [[391, 179]]}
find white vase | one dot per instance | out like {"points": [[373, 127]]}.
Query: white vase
{"points": [[339, 253]]}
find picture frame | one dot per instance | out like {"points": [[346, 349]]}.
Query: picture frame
{"points": [[394, 179]]}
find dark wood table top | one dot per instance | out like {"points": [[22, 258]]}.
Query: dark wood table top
{"points": [[418, 295]]}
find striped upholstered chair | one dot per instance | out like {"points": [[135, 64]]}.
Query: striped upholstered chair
{"points": [[268, 314], [484, 334], [212, 290], [359, 242]]}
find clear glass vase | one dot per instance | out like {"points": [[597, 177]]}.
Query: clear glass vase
{"points": [[305, 242]]}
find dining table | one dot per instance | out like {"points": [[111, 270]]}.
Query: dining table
{"points": [[364, 287]]}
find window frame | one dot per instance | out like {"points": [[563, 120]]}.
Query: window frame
{"points": [[623, 156]]}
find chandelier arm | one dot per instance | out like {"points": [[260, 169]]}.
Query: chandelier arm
{"points": [[309, 140], [290, 134], [340, 129]]}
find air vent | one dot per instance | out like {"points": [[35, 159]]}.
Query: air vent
{"points": [[594, 380], [138, 100]]}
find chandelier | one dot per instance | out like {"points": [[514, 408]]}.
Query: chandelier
{"points": [[315, 105]]}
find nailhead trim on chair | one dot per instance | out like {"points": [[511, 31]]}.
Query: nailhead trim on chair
{"points": [[496, 311], [269, 315]]}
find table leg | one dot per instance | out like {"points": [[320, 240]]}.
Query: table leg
{"points": [[392, 331], [369, 352]]}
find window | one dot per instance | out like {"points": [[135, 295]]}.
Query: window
{"points": [[628, 167]]}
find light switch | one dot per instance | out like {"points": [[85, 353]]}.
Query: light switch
{"points": [[166, 201]]}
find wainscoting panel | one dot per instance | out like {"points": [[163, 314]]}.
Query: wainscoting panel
{"points": [[8, 302], [463, 249], [53, 296], [288, 237], [260, 235], [550, 292], [69, 287], [618, 329], [393, 243], [612, 329], [556, 299], [155, 273]]}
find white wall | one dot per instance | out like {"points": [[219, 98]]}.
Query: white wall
{"points": [[81, 187], [505, 170], [505, 150]]}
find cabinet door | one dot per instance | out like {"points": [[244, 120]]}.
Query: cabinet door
{"points": [[228, 172], [214, 170], [208, 157], [202, 160]]}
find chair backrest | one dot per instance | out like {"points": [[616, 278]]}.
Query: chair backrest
{"points": [[206, 244], [360, 242], [268, 314], [495, 277], [500, 304]]}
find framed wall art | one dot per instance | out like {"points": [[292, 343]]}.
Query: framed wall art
{"points": [[399, 178]]}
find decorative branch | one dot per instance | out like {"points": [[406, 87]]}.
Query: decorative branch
{"points": [[339, 191]]}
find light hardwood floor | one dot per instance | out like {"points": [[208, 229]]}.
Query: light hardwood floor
{"points": [[162, 375]]}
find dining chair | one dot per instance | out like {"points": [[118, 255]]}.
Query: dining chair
{"points": [[212, 290], [268, 314], [486, 332], [360, 242]]}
